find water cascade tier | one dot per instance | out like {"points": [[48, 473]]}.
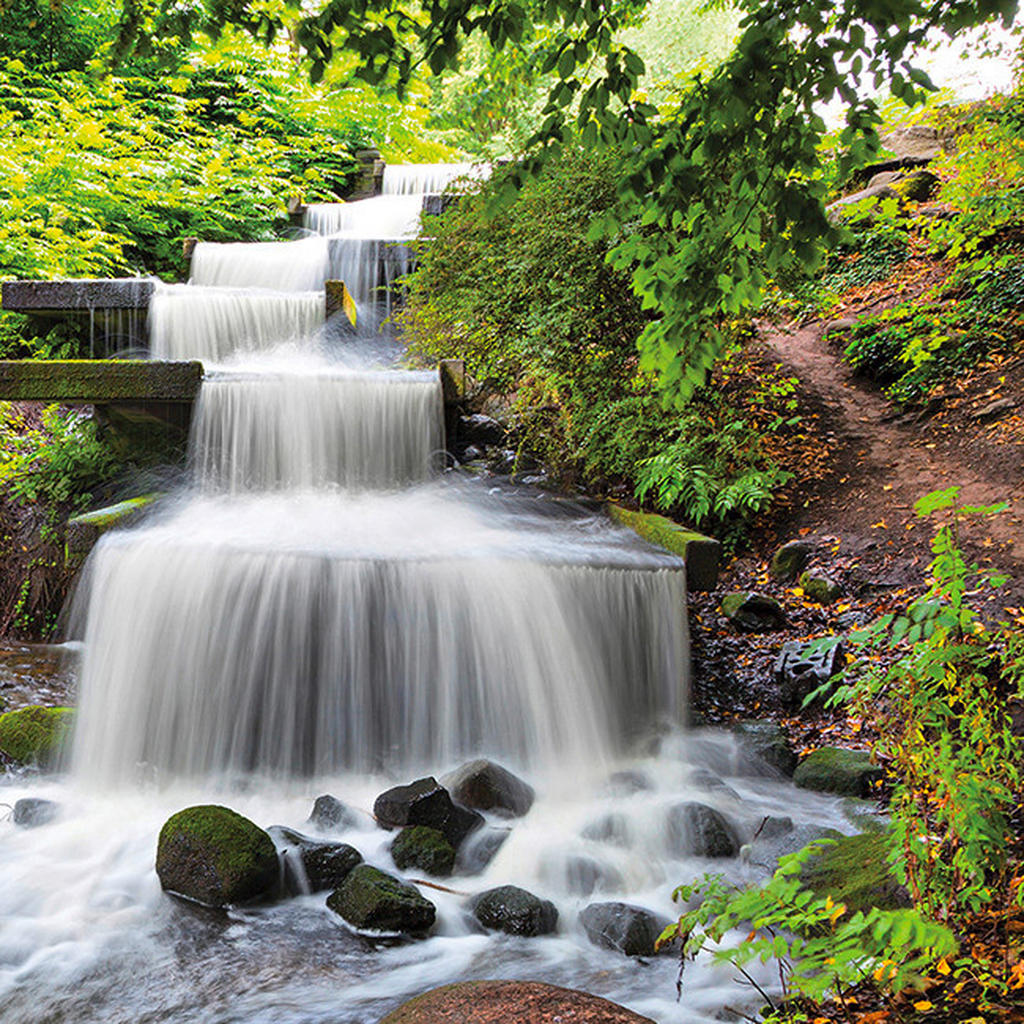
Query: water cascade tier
{"points": [[411, 179]]}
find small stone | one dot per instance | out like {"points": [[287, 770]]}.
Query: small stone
{"points": [[420, 846], [836, 770], [753, 613], [820, 588], [426, 802], [993, 410], [31, 812], [620, 926], [311, 865], [628, 782], [216, 857], [791, 559], [329, 814], [696, 830], [515, 911], [485, 786], [371, 899]]}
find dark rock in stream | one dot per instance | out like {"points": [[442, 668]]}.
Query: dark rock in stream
{"points": [[485, 786], [426, 802], [610, 828], [420, 846], [329, 814], [312, 865], [515, 911], [628, 929], [31, 812], [371, 899], [767, 742], [216, 857], [628, 782], [779, 837], [510, 1002], [480, 849], [696, 830]]}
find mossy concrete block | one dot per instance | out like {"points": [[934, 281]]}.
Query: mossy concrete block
{"points": [[216, 857], [702, 554], [35, 735], [83, 531], [55, 296], [855, 871], [95, 381], [836, 770], [369, 898]]}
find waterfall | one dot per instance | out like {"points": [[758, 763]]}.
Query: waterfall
{"points": [[387, 216], [406, 179], [265, 431], [213, 323], [297, 266]]}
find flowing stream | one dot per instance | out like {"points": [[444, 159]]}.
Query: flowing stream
{"points": [[322, 610]]}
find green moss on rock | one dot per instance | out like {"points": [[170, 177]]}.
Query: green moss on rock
{"points": [[835, 770], [215, 856], [425, 848], [370, 898], [819, 587], [854, 871], [35, 735]]}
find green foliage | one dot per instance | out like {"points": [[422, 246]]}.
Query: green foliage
{"points": [[63, 35], [57, 463], [937, 699], [819, 948]]}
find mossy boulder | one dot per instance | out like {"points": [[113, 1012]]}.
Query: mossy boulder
{"points": [[753, 613], [35, 735], [790, 559], [836, 770], [820, 588], [855, 871], [515, 911], [214, 856], [425, 848], [372, 899]]}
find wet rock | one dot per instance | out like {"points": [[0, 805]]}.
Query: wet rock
{"points": [[31, 812], [701, 778], [216, 857], [753, 613], [696, 830], [485, 786], [371, 899], [801, 668], [628, 929], [779, 837], [481, 430], [820, 588], [515, 911], [311, 865], [329, 814], [835, 770], [420, 846], [510, 1002], [426, 802], [791, 559], [581, 876], [480, 849], [767, 742], [609, 828], [35, 735], [628, 782]]}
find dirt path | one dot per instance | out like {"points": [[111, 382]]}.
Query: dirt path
{"points": [[884, 463]]}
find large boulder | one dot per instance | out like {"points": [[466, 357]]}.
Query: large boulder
{"points": [[426, 802], [35, 735], [420, 846], [628, 929], [510, 1002], [312, 865], [696, 830], [329, 814], [371, 899], [835, 770], [753, 613], [485, 786], [216, 857], [515, 911]]}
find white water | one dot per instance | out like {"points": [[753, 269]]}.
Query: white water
{"points": [[298, 266], [408, 179], [386, 216]]}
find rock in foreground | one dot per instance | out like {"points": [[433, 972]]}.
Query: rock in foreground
{"points": [[216, 857], [419, 846], [835, 770], [696, 830], [510, 1002], [312, 865], [630, 930], [370, 898], [515, 911]]}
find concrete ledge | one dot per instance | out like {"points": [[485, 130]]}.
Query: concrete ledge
{"points": [[53, 296], [702, 554], [83, 531], [99, 380]]}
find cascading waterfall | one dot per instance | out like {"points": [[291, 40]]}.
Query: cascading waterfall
{"points": [[385, 216], [296, 266], [406, 179]]}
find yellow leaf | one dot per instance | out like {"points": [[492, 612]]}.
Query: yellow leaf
{"points": [[922, 1005], [942, 967]]}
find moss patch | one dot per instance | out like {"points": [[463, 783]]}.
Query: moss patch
{"points": [[854, 871], [369, 898], [35, 735], [835, 770], [426, 848]]}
